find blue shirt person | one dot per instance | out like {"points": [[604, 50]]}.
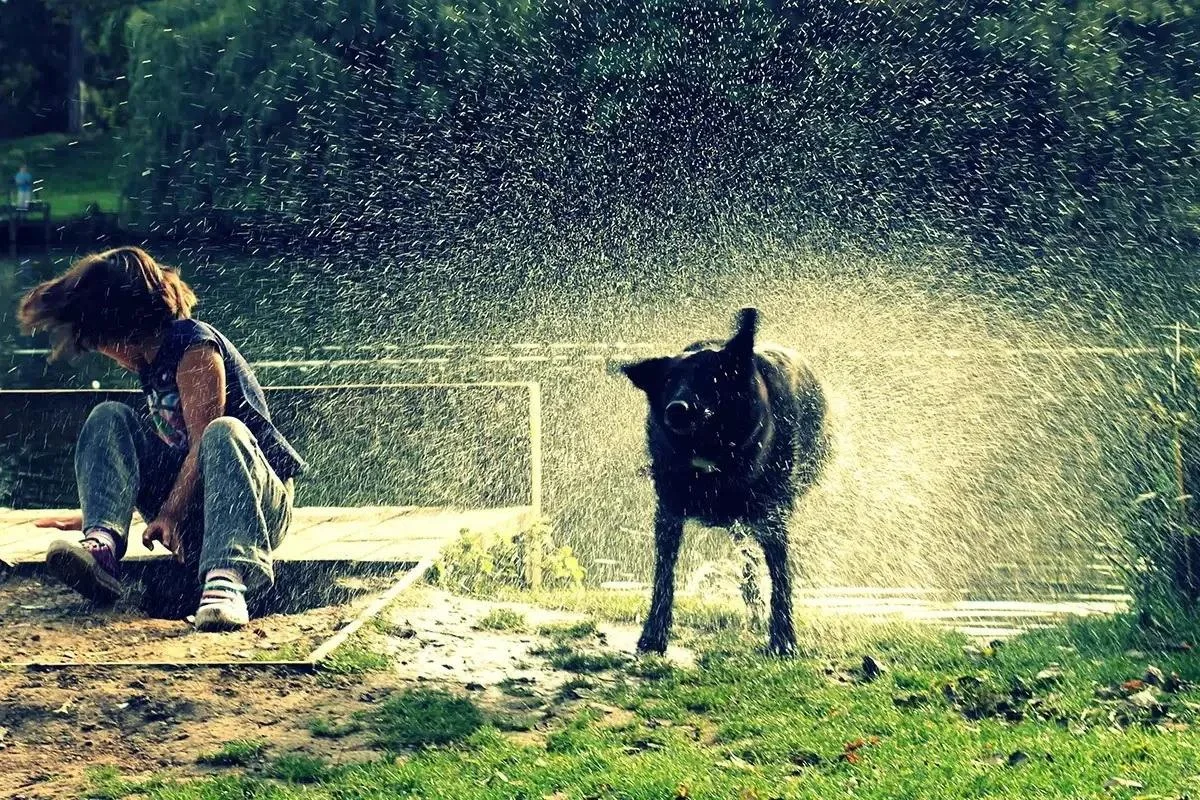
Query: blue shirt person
{"points": [[24, 182]]}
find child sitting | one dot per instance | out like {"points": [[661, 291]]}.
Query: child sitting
{"points": [[203, 463]]}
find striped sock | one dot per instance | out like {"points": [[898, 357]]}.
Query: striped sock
{"points": [[102, 535]]}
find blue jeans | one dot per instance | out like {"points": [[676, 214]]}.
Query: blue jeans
{"points": [[240, 512]]}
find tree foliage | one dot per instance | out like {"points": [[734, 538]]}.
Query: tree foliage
{"points": [[1004, 113]]}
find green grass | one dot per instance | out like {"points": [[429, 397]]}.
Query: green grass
{"points": [[563, 656], [74, 171], [576, 630], [106, 783], [356, 657], [740, 724], [574, 688], [424, 717], [630, 608], [286, 652], [571, 648], [299, 768], [238, 753], [515, 722], [324, 729]]}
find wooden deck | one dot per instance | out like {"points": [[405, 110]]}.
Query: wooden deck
{"points": [[13, 219], [399, 535]]}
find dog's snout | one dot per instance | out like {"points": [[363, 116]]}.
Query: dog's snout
{"points": [[679, 416]]}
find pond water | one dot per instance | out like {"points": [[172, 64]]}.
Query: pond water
{"points": [[986, 414]]}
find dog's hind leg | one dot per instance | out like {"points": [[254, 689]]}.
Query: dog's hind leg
{"points": [[668, 535], [751, 594], [773, 536]]}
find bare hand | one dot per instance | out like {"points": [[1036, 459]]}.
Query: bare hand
{"points": [[164, 530], [72, 523]]}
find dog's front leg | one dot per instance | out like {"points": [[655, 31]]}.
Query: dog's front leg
{"points": [[668, 535], [773, 536]]}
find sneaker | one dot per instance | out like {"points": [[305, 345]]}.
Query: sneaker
{"points": [[222, 607], [90, 567]]}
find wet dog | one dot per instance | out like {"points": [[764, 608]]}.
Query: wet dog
{"points": [[736, 435]]}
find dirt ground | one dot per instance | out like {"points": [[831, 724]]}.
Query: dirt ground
{"points": [[56, 725], [43, 622]]}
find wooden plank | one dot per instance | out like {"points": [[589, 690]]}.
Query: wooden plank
{"points": [[305, 519], [382, 602], [399, 534], [533, 555], [373, 553], [15, 522], [337, 528], [404, 538], [31, 545], [297, 548]]}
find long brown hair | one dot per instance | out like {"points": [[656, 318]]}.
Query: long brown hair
{"points": [[120, 295]]}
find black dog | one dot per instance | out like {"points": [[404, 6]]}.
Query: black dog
{"points": [[736, 435]]}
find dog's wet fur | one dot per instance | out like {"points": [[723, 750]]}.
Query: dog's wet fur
{"points": [[736, 434]]}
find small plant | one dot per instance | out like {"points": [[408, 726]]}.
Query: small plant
{"points": [[324, 729], [560, 568], [238, 753], [107, 783], [482, 564], [387, 626], [299, 768], [421, 717], [503, 619], [1161, 522], [588, 662]]}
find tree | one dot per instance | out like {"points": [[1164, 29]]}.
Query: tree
{"points": [[86, 22], [32, 88]]}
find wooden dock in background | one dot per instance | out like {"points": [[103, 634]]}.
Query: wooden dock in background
{"points": [[15, 218], [382, 534]]}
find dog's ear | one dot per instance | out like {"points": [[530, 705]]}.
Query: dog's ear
{"points": [[742, 342], [648, 375]]}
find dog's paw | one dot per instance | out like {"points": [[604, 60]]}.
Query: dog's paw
{"points": [[781, 649], [652, 644]]}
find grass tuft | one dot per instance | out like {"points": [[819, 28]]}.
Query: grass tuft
{"points": [[356, 657], [422, 717], [238, 753], [570, 631], [503, 619], [299, 768], [324, 729]]}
